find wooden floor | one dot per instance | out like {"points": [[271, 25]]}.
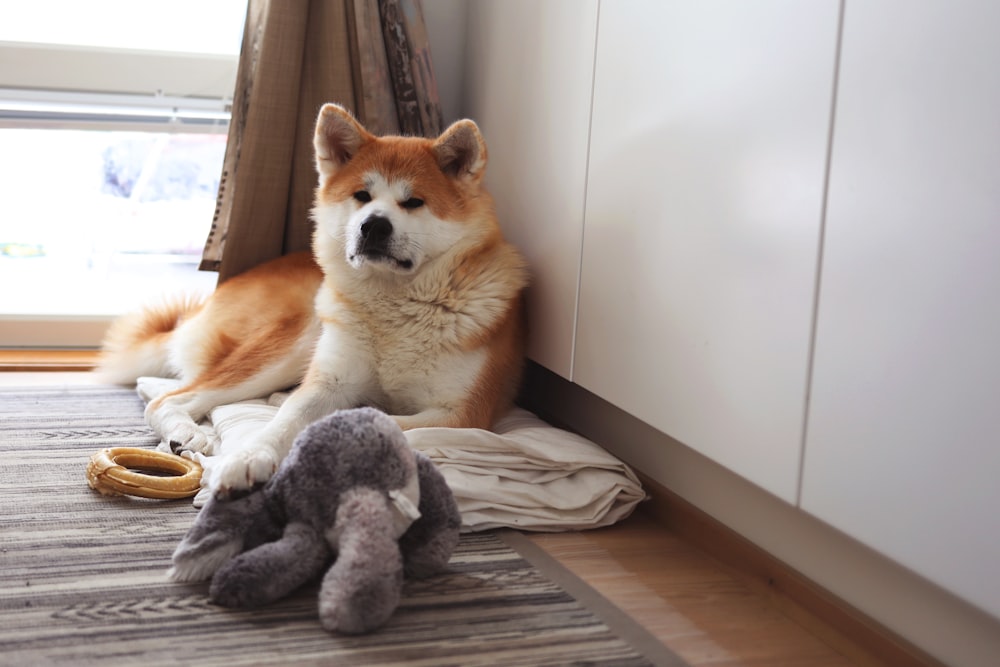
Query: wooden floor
{"points": [[696, 606]]}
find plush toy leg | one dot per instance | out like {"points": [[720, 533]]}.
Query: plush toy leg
{"points": [[429, 542], [272, 570], [362, 588]]}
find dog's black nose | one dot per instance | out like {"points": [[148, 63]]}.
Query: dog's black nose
{"points": [[376, 230]]}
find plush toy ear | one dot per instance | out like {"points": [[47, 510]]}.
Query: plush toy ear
{"points": [[338, 138], [219, 533], [461, 151], [428, 544]]}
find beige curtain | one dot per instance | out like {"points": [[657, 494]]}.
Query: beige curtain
{"points": [[372, 56]]}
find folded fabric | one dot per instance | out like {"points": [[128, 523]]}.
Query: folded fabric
{"points": [[530, 475], [526, 474]]}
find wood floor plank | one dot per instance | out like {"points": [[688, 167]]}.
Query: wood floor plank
{"points": [[26, 360], [690, 602]]}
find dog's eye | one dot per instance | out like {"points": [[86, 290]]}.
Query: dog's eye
{"points": [[363, 196], [412, 202]]}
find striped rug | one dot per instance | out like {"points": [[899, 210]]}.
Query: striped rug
{"points": [[82, 576]]}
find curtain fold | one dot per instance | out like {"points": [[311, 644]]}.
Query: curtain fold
{"points": [[371, 56]]}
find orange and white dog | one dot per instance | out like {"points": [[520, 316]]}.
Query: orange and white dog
{"points": [[410, 302]]}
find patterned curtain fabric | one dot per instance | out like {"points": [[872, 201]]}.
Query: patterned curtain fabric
{"points": [[372, 56]]}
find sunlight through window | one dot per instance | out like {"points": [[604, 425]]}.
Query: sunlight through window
{"points": [[113, 130]]}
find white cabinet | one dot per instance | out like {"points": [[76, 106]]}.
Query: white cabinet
{"points": [[704, 203], [903, 446], [528, 85], [668, 187]]}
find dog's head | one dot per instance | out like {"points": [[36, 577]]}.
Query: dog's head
{"points": [[389, 205]]}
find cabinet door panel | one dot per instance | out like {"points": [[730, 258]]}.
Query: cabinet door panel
{"points": [[704, 202], [528, 85], [903, 446]]}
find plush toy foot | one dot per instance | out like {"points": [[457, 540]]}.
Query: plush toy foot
{"points": [[355, 606], [362, 589], [272, 570]]}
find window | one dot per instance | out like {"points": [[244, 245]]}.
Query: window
{"points": [[113, 126]]}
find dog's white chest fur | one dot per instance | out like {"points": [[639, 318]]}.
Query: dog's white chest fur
{"points": [[412, 353]]}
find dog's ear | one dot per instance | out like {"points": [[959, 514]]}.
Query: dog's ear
{"points": [[338, 138], [461, 151]]}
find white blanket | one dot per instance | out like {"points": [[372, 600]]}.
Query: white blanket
{"points": [[527, 474]]}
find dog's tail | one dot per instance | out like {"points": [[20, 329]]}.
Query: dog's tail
{"points": [[138, 344]]}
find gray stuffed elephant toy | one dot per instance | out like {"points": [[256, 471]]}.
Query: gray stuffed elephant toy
{"points": [[347, 493]]}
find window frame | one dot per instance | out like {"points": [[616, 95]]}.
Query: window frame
{"points": [[66, 67]]}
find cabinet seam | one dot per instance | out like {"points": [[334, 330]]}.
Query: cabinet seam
{"points": [[824, 208]]}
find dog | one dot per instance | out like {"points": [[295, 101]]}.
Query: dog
{"points": [[411, 301]]}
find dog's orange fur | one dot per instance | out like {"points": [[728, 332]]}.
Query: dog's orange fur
{"points": [[249, 322], [255, 318]]}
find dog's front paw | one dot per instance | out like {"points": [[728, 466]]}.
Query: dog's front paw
{"points": [[239, 472], [192, 438]]}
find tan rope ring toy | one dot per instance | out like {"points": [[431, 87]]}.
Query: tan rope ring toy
{"points": [[114, 471]]}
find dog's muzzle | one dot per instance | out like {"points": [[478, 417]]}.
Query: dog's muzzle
{"points": [[375, 243], [375, 234]]}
